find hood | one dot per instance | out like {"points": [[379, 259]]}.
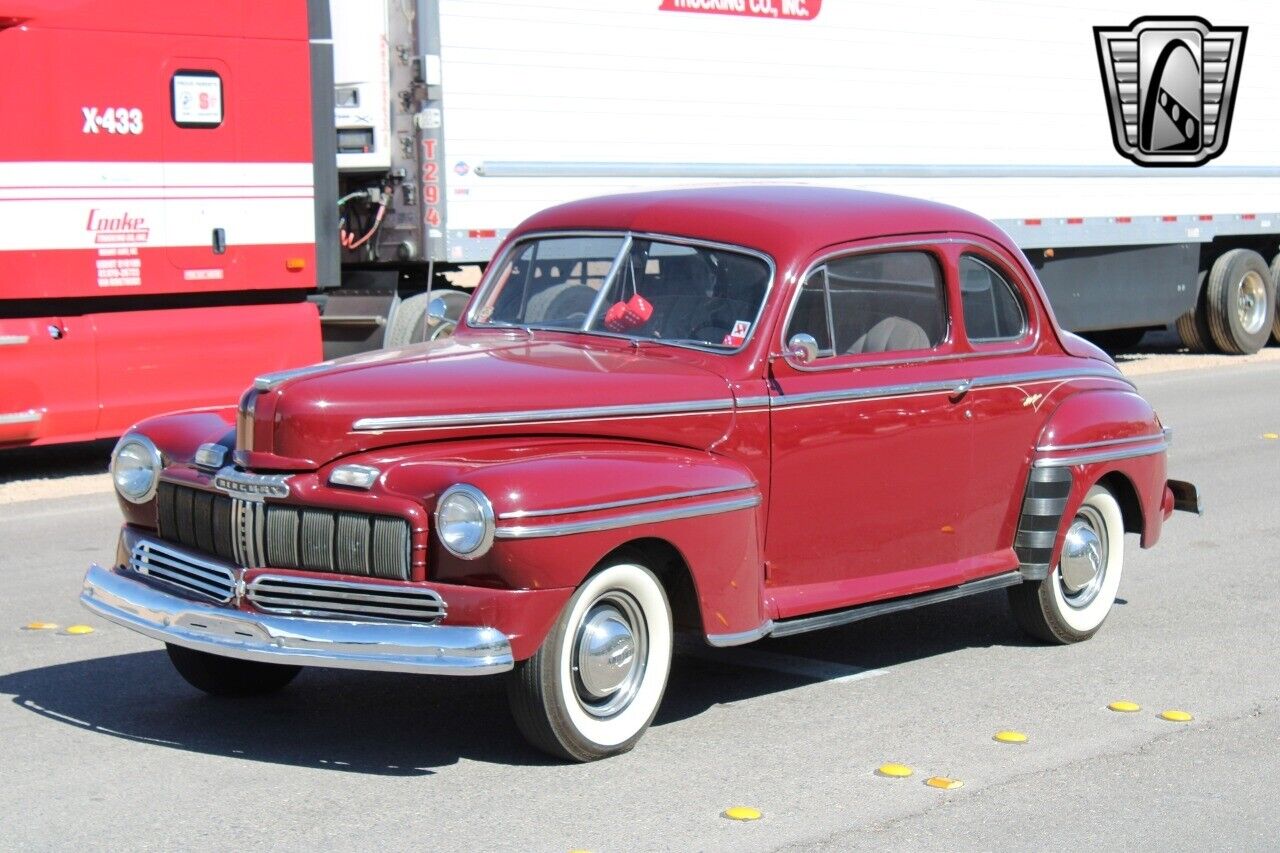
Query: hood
{"points": [[486, 386]]}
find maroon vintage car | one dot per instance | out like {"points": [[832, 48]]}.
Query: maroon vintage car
{"points": [[740, 412]]}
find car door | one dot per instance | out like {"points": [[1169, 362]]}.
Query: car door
{"points": [[1013, 390], [871, 446]]}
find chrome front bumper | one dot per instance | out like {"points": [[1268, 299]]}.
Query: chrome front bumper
{"points": [[383, 646]]}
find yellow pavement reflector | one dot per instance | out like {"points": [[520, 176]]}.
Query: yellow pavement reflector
{"points": [[943, 782], [1271, 435], [79, 629], [894, 771], [1011, 737], [1176, 716], [742, 813], [1125, 707], [40, 626]]}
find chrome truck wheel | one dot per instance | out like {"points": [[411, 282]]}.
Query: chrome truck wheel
{"points": [[1240, 301], [594, 686], [1071, 603]]}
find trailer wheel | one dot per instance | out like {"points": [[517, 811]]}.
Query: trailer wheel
{"points": [[408, 324], [1275, 287], [1240, 298], [1193, 326]]}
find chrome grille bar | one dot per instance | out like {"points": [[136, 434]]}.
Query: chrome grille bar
{"points": [[184, 570], [338, 599]]}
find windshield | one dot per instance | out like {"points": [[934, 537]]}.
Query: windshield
{"points": [[635, 287]]}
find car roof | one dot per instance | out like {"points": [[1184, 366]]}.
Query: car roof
{"points": [[783, 221]]}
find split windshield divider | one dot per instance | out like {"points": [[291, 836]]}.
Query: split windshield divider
{"points": [[622, 255]]}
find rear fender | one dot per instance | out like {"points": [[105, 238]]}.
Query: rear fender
{"points": [[1090, 436]]}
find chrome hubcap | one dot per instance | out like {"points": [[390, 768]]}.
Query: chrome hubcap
{"points": [[1251, 303], [609, 654], [1084, 558]]}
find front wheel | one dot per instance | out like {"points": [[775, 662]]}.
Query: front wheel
{"points": [[594, 686], [1071, 603], [223, 676]]}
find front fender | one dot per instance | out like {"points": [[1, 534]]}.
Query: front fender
{"points": [[178, 436], [563, 506]]}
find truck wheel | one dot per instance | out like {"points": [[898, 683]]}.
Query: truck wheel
{"points": [[1240, 298], [594, 686], [1275, 288], [222, 676], [1193, 326], [1071, 603], [409, 324]]}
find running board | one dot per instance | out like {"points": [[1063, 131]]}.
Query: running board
{"points": [[879, 608]]}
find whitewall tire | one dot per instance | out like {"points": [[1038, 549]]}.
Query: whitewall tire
{"points": [[1071, 604], [594, 686]]}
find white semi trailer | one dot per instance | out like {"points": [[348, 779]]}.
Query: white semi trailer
{"points": [[457, 118]]}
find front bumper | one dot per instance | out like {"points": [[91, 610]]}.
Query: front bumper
{"points": [[383, 646]]}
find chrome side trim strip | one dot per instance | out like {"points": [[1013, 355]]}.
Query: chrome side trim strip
{"points": [[30, 416], [750, 402], [1109, 442], [847, 394], [541, 415], [652, 516], [13, 340], [670, 496], [346, 643], [722, 641], [1104, 456]]}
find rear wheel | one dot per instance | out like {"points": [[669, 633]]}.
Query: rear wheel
{"points": [[1071, 604], [1240, 298], [593, 687], [222, 676], [1193, 326]]}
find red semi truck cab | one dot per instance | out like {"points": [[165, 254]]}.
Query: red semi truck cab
{"points": [[158, 208]]}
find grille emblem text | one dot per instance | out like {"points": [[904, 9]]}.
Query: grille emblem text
{"points": [[251, 486]]}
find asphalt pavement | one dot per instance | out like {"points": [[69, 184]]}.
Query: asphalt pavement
{"points": [[102, 746]]}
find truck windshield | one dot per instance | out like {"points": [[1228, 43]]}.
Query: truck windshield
{"points": [[627, 286]]}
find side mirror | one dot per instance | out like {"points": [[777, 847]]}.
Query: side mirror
{"points": [[802, 348], [437, 313]]}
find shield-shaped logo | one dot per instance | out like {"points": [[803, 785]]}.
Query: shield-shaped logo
{"points": [[1170, 84]]}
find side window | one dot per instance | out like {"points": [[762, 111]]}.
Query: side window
{"points": [[810, 315], [992, 309], [874, 303]]}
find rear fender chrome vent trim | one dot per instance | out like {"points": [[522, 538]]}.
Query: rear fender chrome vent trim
{"points": [[315, 597]]}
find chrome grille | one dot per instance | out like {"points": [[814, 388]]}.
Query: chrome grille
{"points": [[255, 534], [337, 599], [184, 570]]}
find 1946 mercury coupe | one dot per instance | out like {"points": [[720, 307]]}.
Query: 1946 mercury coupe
{"points": [[740, 412]]}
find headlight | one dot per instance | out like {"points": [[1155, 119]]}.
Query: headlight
{"points": [[135, 468], [464, 521]]}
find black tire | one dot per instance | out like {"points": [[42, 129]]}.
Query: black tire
{"points": [[1048, 609], [1275, 288], [1193, 326], [1238, 280], [222, 676], [1115, 341], [409, 323], [548, 692]]}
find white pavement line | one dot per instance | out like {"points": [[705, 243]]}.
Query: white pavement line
{"points": [[819, 670]]}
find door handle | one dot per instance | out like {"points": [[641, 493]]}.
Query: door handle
{"points": [[958, 393]]}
